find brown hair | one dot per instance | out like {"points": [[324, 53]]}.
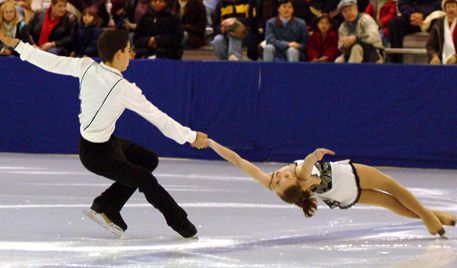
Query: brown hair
{"points": [[303, 199], [91, 12], [110, 42]]}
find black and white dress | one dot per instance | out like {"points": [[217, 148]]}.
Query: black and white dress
{"points": [[340, 186]]}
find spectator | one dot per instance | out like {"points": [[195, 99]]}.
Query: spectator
{"points": [[132, 13], [383, 11], [443, 37], [193, 20], [358, 36], [236, 24], [24, 8], [96, 6], [286, 35], [413, 13], [53, 29], [11, 26], [87, 35], [117, 10], [323, 43], [159, 33]]}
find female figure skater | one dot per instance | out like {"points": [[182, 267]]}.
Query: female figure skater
{"points": [[339, 184]]}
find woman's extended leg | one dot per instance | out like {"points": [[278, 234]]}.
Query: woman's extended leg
{"points": [[373, 179], [385, 200]]}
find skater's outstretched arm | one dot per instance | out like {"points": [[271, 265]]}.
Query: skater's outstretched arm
{"points": [[47, 61], [246, 166], [304, 169]]}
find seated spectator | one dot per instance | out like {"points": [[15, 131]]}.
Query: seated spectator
{"points": [[11, 26], [193, 20], [24, 8], [383, 11], [236, 25], [413, 13], [53, 29], [443, 37], [87, 35], [159, 33], [286, 35], [117, 10], [358, 36], [132, 13], [96, 6], [323, 43]]}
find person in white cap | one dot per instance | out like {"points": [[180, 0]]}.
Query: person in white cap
{"points": [[359, 38], [442, 40]]}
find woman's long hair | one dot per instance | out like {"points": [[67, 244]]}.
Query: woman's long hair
{"points": [[11, 4], [304, 199]]}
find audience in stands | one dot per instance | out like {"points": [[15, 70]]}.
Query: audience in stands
{"points": [[53, 29], [323, 43], [413, 13], [159, 33], [86, 37], [285, 35], [11, 26], [443, 37], [236, 24], [383, 11], [24, 8], [192, 14], [117, 10], [358, 36]]}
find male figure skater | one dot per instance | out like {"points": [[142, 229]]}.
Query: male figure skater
{"points": [[104, 95]]}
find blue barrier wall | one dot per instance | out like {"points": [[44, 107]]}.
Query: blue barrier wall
{"points": [[375, 114]]}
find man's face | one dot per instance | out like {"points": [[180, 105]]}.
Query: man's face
{"points": [[451, 10], [350, 13], [286, 10]]}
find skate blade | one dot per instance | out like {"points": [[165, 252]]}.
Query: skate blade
{"points": [[104, 222]]}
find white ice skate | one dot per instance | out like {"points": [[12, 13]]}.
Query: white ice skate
{"points": [[103, 221]]}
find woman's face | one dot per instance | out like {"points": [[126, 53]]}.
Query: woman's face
{"points": [[9, 13], [59, 9], [158, 5], [286, 10], [88, 19], [283, 178]]}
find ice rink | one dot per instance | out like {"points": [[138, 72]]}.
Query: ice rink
{"points": [[240, 224]]}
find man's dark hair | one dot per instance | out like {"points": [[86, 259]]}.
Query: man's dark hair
{"points": [[110, 42]]}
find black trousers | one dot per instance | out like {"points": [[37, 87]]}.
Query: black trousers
{"points": [[130, 166], [398, 28]]}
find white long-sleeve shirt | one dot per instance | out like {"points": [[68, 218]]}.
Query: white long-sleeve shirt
{"points": [[104, 96]]}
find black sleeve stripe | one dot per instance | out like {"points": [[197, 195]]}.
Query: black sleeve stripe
{"points": [[80, 83], [103, 103]]}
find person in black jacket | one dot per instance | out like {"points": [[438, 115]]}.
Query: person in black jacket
{"points": [[193, 19], [159, 33], [11, 26], [53, 29], [87, 35]]}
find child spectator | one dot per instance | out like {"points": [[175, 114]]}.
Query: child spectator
{"points": [[443, 37], [323, 43], [286, 35], [11, 26], [383, 11], [87, 35], [159, 33], [358, 36]]}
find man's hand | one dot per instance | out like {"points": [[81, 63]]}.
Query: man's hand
{"points": [[7, 41], [435, 60], [294, 45], [152, 42], [47, 46], [201, 141], [349, 40]]}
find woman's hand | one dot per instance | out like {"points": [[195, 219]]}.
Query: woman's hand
{"points": [[319, 153], [9, 42]]}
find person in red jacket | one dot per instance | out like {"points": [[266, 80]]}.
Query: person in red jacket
{"points": [[323, 43], [383, 11]]}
